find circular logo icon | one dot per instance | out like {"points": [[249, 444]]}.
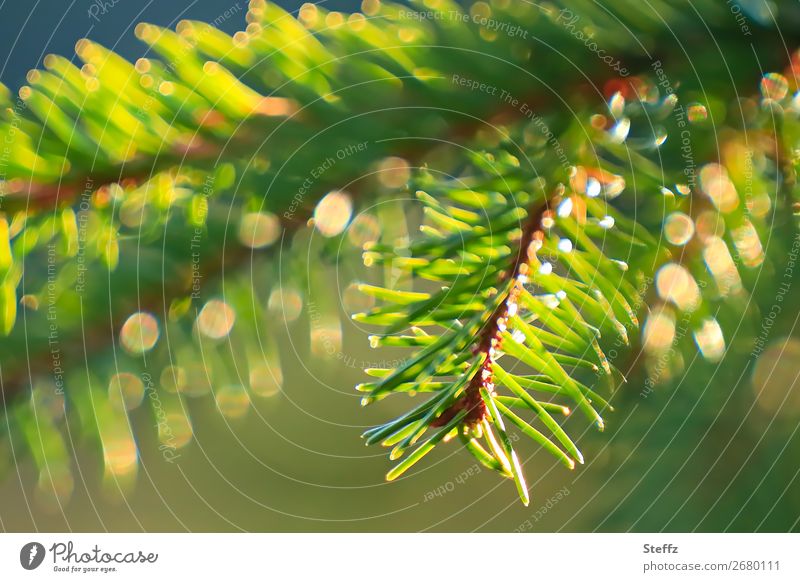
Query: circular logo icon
{"points": [[31, 555]]}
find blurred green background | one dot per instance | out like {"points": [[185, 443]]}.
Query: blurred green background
{"points": [[699, 453]]}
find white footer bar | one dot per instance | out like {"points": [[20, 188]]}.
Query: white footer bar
{"points": [[395, 557]]}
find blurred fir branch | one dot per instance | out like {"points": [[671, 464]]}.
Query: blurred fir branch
{"points": [[541, 247]]}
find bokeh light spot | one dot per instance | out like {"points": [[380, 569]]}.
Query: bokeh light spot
{"points": [[658, 332], [774, 86], [125, 391], [333, 213], [139, 333], [674, 283], [717, 185], [710, 340], [259, 229], [266, 380], [696, 113], [173, 379], [233, 401], [393, 172], [286, 302], [216, 319], [678, 228]]}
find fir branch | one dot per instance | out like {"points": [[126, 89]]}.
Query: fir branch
{"points": [[490, 338]]}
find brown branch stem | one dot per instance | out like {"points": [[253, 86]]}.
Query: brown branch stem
{"points": [[489, 338]]}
